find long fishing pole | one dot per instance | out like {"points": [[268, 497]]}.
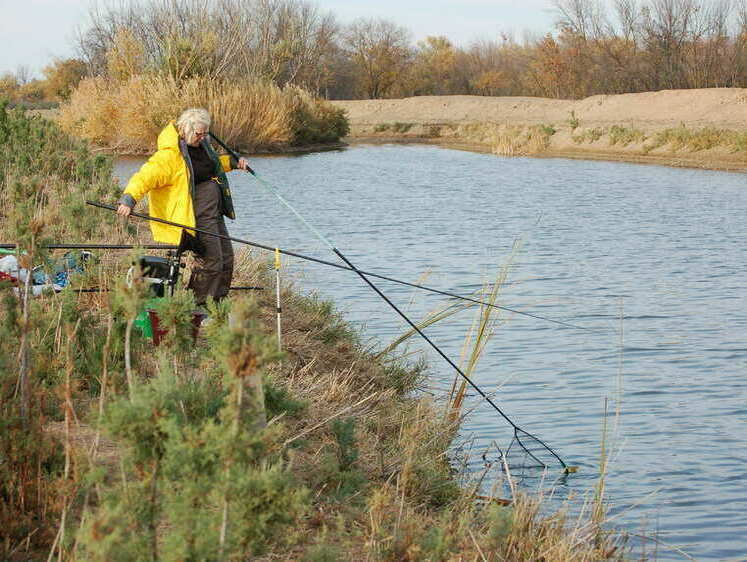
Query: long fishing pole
{"points": [[98, 290], [362, 274], [100, 246], [412, 324], [333, 264]]}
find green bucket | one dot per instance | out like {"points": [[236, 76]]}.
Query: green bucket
{"points": [[142, 320]]}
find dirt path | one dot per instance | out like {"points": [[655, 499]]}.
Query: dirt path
{"points": [[694, 128]]}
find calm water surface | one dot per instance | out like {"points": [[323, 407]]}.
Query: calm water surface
{"points": [[650, 259]]}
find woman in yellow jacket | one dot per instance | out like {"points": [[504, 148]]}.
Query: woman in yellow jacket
{"points": [[185, 182]]}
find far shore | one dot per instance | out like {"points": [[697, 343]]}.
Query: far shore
{"points": [[684, 128], [704, 128]]}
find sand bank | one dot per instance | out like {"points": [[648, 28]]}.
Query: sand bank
{"points": [[704, 128]]}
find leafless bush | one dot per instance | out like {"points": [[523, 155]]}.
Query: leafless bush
{"points": [[283, 41]]}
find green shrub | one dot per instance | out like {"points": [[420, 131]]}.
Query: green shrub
{"points": [[548, 130], [316, 121], [197, 463], [573, 121], [326, 324], [401, 127], [500, 520], [437, 543], [46, 171], [45, 178], [624, 136], [338, 471], [404, 376], [279, 401], [589, 135]]}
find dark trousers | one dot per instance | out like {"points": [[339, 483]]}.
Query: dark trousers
{"points": [[211, 276]]}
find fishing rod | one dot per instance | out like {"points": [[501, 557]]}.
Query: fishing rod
{"points": [[99, 290], [519, 433], [99, 246], [333, 264], [170, 247], [519, 436]]}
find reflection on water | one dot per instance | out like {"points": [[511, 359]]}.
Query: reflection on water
{"points": [[649, 259]]}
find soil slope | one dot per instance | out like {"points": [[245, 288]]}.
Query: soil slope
{"points": [[579, 128]]}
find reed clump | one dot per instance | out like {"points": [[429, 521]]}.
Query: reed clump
{"points": [[589, 135], [624, 136], [695, 140], [515, 140], [221, 447], [126, 116]]}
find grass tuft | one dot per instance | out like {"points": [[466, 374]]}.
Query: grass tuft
{"points": [[695, 140], [623, 136]]}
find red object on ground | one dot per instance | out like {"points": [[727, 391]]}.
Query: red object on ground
{"points": [[6, 277], [159, 333]]}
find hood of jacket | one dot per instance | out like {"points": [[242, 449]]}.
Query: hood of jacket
{"points": [[168, 138]]}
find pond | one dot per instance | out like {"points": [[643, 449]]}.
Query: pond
{"points": [[649, 260]]}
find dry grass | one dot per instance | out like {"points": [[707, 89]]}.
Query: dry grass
{"points": [[398, 500], [405, 504], [694, 140], [126, 117], [506, 140], [409, 508]]}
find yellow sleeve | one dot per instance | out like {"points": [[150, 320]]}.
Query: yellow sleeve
{"points": [[227, 162], [156, 172]]}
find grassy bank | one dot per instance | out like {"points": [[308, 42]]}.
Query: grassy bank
{"points": [[126, 117], [219, 447], [682, 146]]}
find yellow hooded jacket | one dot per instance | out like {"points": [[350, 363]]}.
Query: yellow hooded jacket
{"points": [[167, 180]]}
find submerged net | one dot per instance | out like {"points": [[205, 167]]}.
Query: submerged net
{"points": [[525, 453]]}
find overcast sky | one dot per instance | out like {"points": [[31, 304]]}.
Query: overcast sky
{"points": [[33, 32]]}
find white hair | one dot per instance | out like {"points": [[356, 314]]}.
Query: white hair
{"points": [[190, 119]]}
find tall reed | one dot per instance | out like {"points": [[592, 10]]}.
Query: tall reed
{"points": [[126, 117]]}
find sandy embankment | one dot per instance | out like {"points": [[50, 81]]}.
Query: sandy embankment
{"points": [[581, 129]]}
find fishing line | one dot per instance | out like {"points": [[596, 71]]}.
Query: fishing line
{"points": [[100, 246], [274, 190], [532, 446]]}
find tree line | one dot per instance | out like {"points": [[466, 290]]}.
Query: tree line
{"points": [[595, 48]]}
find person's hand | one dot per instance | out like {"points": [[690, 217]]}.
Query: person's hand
{"points": [[123, 210], [244, 165]]}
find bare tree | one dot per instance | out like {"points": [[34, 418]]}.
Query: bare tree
{"points": [[708, 46], [285, 41], [666, 29], [583, 18], [380, 51]]}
